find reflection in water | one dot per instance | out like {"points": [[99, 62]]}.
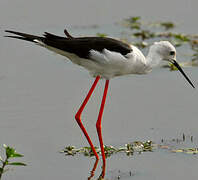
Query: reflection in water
{"points": [[114, 174], [94, 169]]}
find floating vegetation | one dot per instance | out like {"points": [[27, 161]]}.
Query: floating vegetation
{"points": [[138, 147], [101, 35], [128, 149], [133, 22], [192, 63], [186, 150], [167, 25], [172, 145], [144, 34]]}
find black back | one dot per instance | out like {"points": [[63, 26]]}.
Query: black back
{"points": [[80, 46]]}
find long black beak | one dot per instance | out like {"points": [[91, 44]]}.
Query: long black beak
{"points": [[181, 70]]}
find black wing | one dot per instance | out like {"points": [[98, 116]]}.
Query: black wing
{"points": [[80, 46]]}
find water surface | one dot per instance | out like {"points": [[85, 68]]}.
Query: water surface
{"points": [[40, 93]]}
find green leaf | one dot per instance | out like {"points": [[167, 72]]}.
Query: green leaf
{"points": [[167, 25], [181, 37], [101, 35], [134, 22], [9, 151], [134, 19], [16, 155], [17, 164]]}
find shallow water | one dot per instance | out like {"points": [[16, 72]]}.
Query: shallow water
{"points": [[40, 93]]}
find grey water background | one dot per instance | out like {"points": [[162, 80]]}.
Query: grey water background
{"points": [[40, 93]]}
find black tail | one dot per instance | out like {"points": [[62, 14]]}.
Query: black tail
{"points": [[24, 36]]}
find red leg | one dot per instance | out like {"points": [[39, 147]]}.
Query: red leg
{"points": [[78, 116], [93, 170], [98, 126]]}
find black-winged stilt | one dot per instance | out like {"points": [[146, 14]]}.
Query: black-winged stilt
{"points": [[104, 58]]}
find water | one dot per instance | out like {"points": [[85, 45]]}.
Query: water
{"points": [[40, 93]]}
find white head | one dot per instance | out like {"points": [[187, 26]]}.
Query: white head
{"points": [[164, 51]]}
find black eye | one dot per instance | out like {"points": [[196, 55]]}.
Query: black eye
{"points": [[172, 53]]}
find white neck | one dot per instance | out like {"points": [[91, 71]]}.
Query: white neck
{"points": [[153, 59], [146, 63]]}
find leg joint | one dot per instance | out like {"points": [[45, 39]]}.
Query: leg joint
{"points": [[98, 125], [77, 117]]}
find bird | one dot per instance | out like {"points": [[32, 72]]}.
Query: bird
{"points": [[104, 58]]}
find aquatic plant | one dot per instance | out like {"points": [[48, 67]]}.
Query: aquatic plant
{"points": [[128, 149], [9, 154], [137, 147]]}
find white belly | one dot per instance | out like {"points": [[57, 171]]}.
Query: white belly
{"points": [[107, 67]]}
